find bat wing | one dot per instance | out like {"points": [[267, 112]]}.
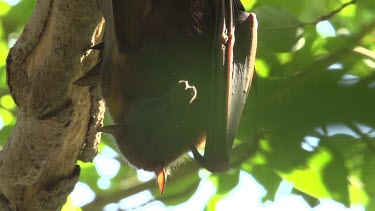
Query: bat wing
{"points": [[233, 66], [241, 76], [243, 69]]}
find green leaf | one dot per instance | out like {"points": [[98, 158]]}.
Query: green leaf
{"points": [[7, 102], [5, 133], [324, 177], [367, 4], [335, 179], [89, 175], [309, 179], [15, 19], [248, 4], [266, 176], [277, 28], [3, 84], [7, 117], [368, 176], [179, 188], [3, 51], [282, 143], [312, 201], [4, 8], [225, 182], [69, 206]]}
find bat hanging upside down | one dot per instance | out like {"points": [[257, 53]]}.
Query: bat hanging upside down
{"points": [[175, 75]]}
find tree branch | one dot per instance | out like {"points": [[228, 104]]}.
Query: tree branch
{"points": [[56, 119]]}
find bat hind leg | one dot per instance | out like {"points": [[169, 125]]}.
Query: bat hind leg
{"points": [[205, 163]]}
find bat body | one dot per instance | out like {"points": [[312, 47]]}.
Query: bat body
{"points": [[157, 45], [173, 76]]}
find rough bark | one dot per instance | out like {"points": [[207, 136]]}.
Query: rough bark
{"points": [[57, 121]]}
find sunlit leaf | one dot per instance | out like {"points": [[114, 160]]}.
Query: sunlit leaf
{"points": [[4, 8], [358, 195], [3, 52], [368, 175], [89, 175], [248, 4], [7, 102], [261, 68], [69, 206], [7, 117], [310, 179]]}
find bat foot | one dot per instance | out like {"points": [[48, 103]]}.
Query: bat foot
{"points": [[99, 47], [111, 129], [92, 77]]}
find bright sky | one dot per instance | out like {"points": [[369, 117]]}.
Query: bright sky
{"points": [[246, 196], [11, 2]]}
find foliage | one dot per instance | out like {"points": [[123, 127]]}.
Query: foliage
{"points": [[309, 119]]}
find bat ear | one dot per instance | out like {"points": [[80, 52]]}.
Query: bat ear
{"points": [[111, 129], [92, 77]]}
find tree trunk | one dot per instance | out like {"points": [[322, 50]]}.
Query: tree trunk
{"points": [[57, 121]]}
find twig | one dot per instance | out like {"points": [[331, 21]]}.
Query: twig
{"points": [[329, 15], [358, 131], [321, 18]]}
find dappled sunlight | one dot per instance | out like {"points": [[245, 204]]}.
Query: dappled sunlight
{"points": [[325, 29], [82, 194], [106, 167]]}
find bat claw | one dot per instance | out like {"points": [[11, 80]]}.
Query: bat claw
{"points": [[197, 156], [110, 129], [90, 78], [210, 166], [99, 47]]}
